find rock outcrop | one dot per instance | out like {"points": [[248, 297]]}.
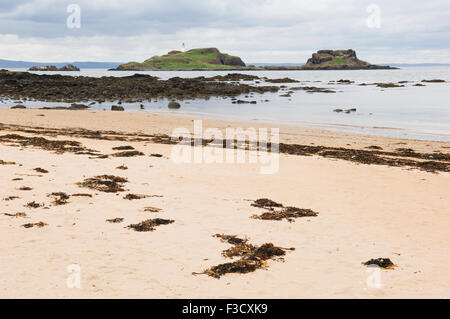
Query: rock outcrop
{"points": [[68, 67], [339, 60]]}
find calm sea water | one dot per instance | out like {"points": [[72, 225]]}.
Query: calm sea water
{"points": [[408, 112]]}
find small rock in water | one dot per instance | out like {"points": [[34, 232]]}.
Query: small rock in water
{"points": [[76, 106], [174, 105], [117, 108], [18, 106]]}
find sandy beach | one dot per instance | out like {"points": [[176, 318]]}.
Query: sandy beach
{"points": [[365, 211]]}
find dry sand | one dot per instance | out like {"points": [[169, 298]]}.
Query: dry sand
{"points": [[365, 211]]}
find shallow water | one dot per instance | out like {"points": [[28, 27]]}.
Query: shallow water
{"points": [[408, 112]]}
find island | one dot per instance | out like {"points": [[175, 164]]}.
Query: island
{"points": [[205, 59], [68, 67], [195, 59], [339, 60]]}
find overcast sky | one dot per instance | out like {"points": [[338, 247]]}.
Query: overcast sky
{"points": [[256, 30]]}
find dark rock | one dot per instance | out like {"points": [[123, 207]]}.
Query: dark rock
{"points": [[339, 60], [117, 108], [76, 106], [68, 67], [19, 106], [70, 89], [174, 105]]}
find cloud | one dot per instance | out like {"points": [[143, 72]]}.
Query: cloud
{"points": [[257, 30]]}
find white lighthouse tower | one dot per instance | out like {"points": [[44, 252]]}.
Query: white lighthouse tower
{"points": [[183, 48]]}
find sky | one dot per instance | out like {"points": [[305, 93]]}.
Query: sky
{"points": [[259, 31]]}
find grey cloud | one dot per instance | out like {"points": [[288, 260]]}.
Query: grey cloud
{"points": [[248, 26]]}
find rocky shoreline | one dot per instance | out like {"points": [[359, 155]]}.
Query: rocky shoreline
{"points": [[130, 89]]}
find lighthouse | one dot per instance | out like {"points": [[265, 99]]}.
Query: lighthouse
{"points": [[183, 47]]}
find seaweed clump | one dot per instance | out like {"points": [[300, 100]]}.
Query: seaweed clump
{"points": [[276, 211], [17, 215], [33, 205], [251, 257], [152, 209], [385, 263], [266, 203], [105, 183], [128, 154], [41, 170], [134, 196], [59, 146], [2, 162], [82, 195], [25, 188], [10, 198], [115, 220], [59, 198], [123, 148], [150, 224], [31, 225]]}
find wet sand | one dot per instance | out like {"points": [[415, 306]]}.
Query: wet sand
{"points": [[365, 212]]}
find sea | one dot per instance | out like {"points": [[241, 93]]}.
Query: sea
{"points": [[410, 112]]}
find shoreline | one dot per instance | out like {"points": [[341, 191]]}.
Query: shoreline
{"points": [[288, 133]]}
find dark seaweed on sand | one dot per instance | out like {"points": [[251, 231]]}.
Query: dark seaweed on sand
{"points": [[265, 203], [276, 211], [385, 263], [105, 183], [128, 154], [430, 162], [41, 170], [25, 188], [288, 213], [134, 197], [81, 195], [7, 163], [152, 209], [123, 148], [59, 198], [11, 198], [251, 257], [58, 146], [150, 224], [31, 225], [23, 215], [115, 220], [33, 205]]}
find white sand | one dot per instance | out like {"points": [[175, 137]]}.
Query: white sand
{"points": [[366, 211]]}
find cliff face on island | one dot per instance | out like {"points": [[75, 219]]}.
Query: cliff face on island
{"points": [[207, 58], [339, 60]]}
